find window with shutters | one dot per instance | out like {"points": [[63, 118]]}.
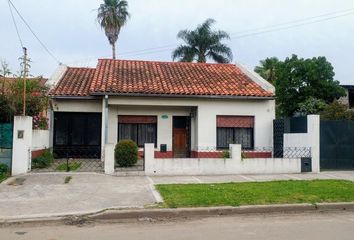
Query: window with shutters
{"points": [[235, 130], [140, 129]]}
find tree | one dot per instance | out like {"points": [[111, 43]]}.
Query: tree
{"points": [[203, 43], [311, 106], [4, 72], [267, 69], [337, 111], [298, 79], [112, 16]]}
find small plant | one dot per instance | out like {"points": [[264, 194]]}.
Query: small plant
{"points": [[43, 161], [3, 168], [126, 153], [225, 154], [71, 167], [67, 179], [243, 156]]}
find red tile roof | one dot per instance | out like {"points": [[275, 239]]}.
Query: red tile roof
{"points": [[75, 82], [114, 77]]}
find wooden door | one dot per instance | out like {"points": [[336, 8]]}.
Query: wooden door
{"points": [[180, 137], [180, 142]]}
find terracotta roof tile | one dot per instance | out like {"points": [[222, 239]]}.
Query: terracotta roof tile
{"points": [[75, 82], [172, 78], [165, 78]]}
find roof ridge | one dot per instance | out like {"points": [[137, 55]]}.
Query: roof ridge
{"points": [[167, 62], [88, 68]]}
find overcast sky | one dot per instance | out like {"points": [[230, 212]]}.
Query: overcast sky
{"points": [[70, 31]]}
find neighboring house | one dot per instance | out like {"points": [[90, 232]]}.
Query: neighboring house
{"points": [[348, 99], [183, 108]]}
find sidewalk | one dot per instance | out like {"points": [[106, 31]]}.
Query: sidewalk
{"points": [[46, 195]]}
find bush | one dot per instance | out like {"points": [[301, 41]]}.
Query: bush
{"points": [[3, 168], [226, 154], [43, 161], [126, 153]]}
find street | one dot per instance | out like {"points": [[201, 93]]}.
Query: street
{"points": [[334, 225]]}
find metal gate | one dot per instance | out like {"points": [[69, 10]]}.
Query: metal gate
{"points": [[6, 143], [337, 145]]}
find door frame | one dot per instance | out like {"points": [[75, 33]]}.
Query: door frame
{"points": [[188, 134]]}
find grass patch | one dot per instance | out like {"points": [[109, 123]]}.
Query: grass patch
{"points": [[3, 177], [72, 166], [67, 179], [256, 193]]}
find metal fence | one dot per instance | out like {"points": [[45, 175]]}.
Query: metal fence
{"points": [[270, 152], [68, 160]]}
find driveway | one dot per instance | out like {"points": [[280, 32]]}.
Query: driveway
{"points": [[42, 195]]}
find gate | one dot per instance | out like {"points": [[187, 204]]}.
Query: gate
{"points": [[286, 125], [6, 143], [337, 145]]}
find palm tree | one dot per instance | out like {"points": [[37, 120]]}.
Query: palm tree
{"points": [[203, 43], [267, 69], [112, 16]]}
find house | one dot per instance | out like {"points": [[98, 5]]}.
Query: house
{"points": [[185, 109], [348, 99]]}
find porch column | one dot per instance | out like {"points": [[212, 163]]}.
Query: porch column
{"points": [[103, 126]]}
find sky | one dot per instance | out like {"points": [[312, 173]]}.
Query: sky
{"points": [[70, 31]]}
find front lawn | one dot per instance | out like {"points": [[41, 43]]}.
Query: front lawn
{"points": [[256, 193]]}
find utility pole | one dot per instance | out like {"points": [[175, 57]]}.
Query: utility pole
{"points": [[24, 79]]}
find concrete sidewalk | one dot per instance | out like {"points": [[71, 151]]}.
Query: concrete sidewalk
{"points": [[347, 175], [46, 195]]}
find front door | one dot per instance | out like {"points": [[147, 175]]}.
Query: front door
{"points": [[181, 137]]}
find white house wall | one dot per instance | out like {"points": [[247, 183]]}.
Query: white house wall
{"points": [[203, 127], [164, 125], [87, 105], [207, 110]]}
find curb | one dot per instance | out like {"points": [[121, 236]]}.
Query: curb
{"points": [[137, 214], [219, 211]]}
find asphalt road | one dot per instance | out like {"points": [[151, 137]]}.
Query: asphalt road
{"points": [[339, 226]]}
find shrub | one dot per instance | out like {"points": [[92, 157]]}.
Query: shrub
{"points": [[43, 161], [126, 153], [3, 168], [226, 154]]}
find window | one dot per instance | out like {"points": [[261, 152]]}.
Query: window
{"points": [[140, 129], [235, 129]]}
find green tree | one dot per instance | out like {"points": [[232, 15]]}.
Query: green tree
{"points": [[36, 97], [267, 69], [298, 79], [4, 72], [311, 106], [203, 43], [112, 16], [337, 111]]}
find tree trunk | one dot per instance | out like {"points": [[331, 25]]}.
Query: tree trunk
{"points": [[114, 51]]}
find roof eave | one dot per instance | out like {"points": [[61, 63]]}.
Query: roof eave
{"points": [[182, 96], [75, 97]]}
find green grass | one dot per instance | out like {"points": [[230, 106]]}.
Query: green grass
{"points": [[72, 166], [256, 193], [3, 177]]}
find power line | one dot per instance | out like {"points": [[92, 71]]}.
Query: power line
{"points": [[34, 34], [264, 31], [253, 32], [294, 21], [15, 24]]}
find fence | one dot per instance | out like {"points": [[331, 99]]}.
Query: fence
{"points": [[6, 131], [73, 159], [228, 161]]}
